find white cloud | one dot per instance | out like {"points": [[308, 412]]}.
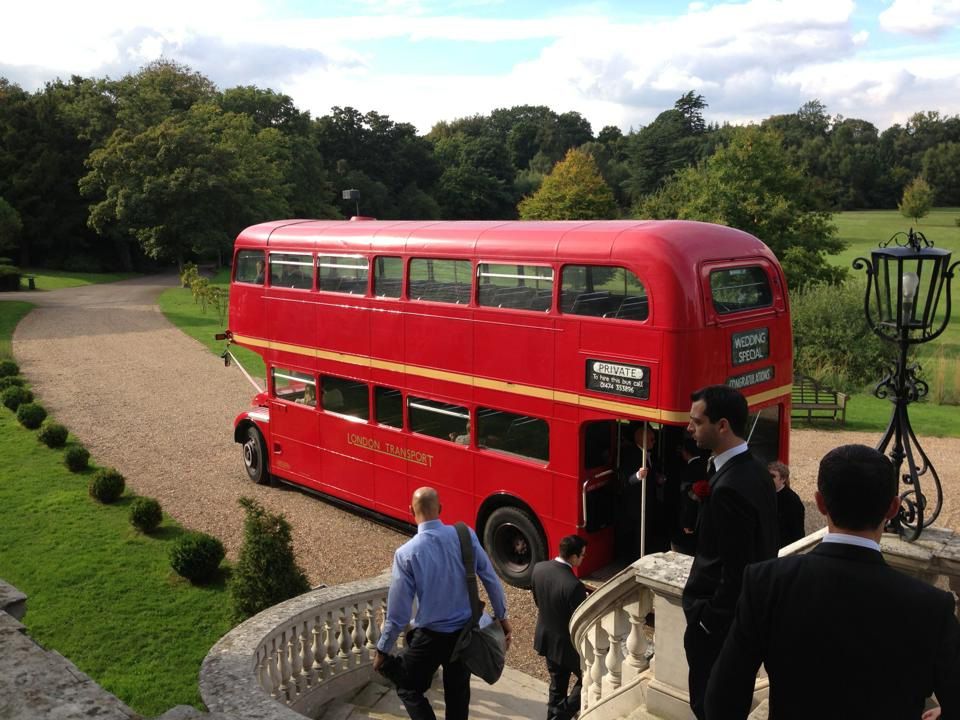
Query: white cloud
{"points": [[921, 17]]}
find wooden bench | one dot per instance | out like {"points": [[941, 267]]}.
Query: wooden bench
{"points": [[812, 400]]}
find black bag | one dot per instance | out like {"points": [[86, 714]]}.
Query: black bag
{"points": [[482, 650]]}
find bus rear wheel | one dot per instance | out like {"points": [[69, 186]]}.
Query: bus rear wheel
{"points": [[255, 457], [514, 544]]}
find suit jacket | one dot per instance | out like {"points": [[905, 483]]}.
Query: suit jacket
{"points": [[842, 635], [790, 514], [738, 526], [557, 592]]}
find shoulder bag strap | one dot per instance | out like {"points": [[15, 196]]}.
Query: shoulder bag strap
{"points": [[466, 552]]}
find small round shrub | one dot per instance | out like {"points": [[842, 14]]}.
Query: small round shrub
{"points": [[11, 380], [145, 514], [106, 485], [52, 434], [8, 367], [76, 458], [15, 396], [196, 556], [31, 415]]}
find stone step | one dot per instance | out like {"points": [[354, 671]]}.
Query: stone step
{"points": [[516, 696]]}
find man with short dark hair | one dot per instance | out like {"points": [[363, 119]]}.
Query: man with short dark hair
{"points": [[430, 568], [842, 634], [557, 592], [737, 526]]}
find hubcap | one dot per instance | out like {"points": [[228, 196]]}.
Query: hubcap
{"points": [[512, 547], [250, 454]]}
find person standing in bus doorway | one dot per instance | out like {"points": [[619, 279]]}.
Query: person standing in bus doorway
{"points": [[738, 526], [638, 461], [430, 568], [557, 592]]}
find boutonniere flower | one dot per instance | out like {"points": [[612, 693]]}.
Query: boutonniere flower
{"points": [[701, 489]]}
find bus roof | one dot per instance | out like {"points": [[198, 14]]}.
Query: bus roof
{"points": [[682, 243]]}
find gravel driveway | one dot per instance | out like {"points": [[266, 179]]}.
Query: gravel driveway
{"points": [[158, 406]]}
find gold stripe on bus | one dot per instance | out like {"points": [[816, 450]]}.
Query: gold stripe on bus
{"points": [[500, 385]]}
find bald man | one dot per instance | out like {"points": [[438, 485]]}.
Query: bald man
{"points": [[430, 568]]}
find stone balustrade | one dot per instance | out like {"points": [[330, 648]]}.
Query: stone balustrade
{"points": [[290, 660], [609, 634]]}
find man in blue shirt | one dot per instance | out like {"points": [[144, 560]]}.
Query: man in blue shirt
{"points": [[430, 568]]}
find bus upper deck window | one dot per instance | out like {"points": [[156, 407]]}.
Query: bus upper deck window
{"points": [[291, 270], [250, 267], [603, 291], [742, 288], [522, 287], [387, 276], [440, 280], [345, 274]]}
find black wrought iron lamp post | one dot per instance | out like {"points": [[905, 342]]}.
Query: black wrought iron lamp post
{"points": [[906, 280]]}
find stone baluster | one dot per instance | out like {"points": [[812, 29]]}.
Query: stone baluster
{"points": [[373, 629], [359, 640], [343, 635], [637, 644], [263, 669], [601, 644], [306, 655], [330, 635], [589, 658], [616, 626], [272, 660], [283, 665], [295, 661], [318, 649]]}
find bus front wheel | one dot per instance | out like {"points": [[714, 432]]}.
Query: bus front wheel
{"points": [[255, 456], [514, 545]]}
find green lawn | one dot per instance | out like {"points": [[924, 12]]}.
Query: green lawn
{"points": [[100, 593], [11, 312], [57, 279], [178, 306]]}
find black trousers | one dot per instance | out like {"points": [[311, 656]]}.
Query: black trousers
{"points": [[560, 704], [702, 652], [426, 651]]}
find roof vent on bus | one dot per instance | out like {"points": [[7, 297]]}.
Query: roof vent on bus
{"points": [[361, 217]]}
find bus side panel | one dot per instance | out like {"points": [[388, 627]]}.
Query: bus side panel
{"points": [[438, 336], [347, 459], [247, 314], [343, 327], [448, 467], [293, 321], [391, 494], [385, 327], [606, 340], [530, 358]]}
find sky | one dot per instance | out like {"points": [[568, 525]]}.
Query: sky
{"points": [[616, 62]]}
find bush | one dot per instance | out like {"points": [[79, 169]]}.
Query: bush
{"points": [[9, 278], [196, 556], [15, 396], [145, 514], [8, 367], [31, 415], [106, 485], [11, 380], [76, 458], [266, 572], [53, 434], [831, 340]]}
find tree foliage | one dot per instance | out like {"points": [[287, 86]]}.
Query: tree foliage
{"points": [[917, 199], [10, 227], [575, 190], [751, 184]]}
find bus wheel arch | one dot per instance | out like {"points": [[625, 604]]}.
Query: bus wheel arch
{"points": [[513, 538], [255, 458]]}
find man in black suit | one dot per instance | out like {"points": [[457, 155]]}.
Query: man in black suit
{"points": [[841, 633], [737, 526], [557, 592]]}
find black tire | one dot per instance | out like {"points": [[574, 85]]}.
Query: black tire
{"points": [[255, 457], [514, 543]]}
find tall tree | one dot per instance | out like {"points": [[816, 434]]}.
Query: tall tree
{"points": [[575, 190], [751, 184], [10, 228], [917, 199], [941, 168]]}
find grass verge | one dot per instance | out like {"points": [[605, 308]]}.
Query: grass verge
{"points": [[179, 308], [100, 593], [11, 312], [57, 279]]}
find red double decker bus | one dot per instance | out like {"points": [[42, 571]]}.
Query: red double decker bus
{"points": [[498, 362]]}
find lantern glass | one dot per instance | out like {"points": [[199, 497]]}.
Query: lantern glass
{"points": [[909, 285]]}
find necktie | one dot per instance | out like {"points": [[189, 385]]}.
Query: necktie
{"points": [[711, 468]]}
